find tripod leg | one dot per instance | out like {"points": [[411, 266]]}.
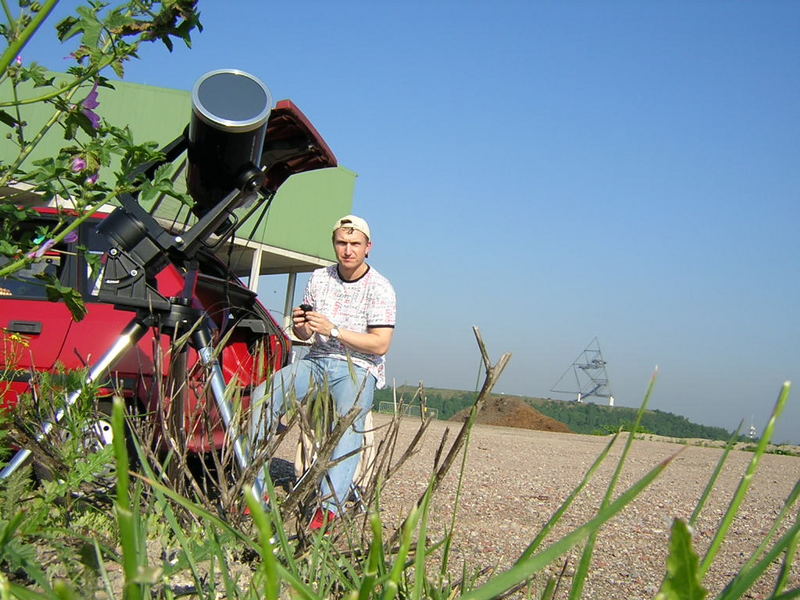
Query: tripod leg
{"points": [[129, 337], [202, 341]]}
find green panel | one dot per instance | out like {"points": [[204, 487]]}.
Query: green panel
{"points": [[303, 212], [153, 114]]}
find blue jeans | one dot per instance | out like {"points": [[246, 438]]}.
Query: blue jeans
{"points": [[294, 383]]}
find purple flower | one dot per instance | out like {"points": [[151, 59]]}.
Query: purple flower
{"points": [[42, 249], [89, 103], [78, 164], [70, 238], [91, 179], [19, 60], [91, 100]]}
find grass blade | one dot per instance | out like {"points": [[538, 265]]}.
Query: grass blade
{"points": [[392, 584], [744, 483], [102, 568], [742, 582], [586, 557], [786, 566], [714, 476], [230, 587], [272, 578], [375, 559], [122, 507], [64, 591], [549, 589], [421, 555], [456, 503], [787, 506], [18, 591]]}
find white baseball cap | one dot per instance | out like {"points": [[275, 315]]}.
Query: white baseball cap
{"points": [[353, 222]]}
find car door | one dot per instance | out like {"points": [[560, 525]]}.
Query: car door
{"points": [[26, 314]]}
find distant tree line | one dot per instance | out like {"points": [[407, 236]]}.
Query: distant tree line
{"points": [[587, 417], [580, 417]]}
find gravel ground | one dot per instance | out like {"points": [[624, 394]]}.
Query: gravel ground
{"points": [[515, 479]]}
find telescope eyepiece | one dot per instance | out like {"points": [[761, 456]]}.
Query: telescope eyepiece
{"points": [[231, 100]]}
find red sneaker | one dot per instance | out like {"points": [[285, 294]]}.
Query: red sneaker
{"points": [[322, 518], [246, 511]]}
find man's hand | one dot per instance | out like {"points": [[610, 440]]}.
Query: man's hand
{"points": [[318, 323], [300, 323], [308, 322]]}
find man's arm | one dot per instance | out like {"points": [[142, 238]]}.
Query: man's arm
{"points": [[376, 341]]}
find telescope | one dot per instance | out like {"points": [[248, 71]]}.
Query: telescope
{"points": [[224, 142], [226, 134], [239, 150]]}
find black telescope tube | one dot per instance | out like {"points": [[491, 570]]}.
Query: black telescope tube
{"points": [[230, 110]]}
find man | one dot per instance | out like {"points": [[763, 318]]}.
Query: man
{"points": [[350, 322]]}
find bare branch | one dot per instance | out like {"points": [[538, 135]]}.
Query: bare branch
{"points": [[492, 374]]}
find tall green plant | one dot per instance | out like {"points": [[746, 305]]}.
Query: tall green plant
{"points": [[79, 171]]}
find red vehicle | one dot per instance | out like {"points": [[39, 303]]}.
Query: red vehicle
{"points": [[52, 337], [249, 341]]}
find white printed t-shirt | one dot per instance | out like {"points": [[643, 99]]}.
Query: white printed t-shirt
{"points": [[369, 301]]}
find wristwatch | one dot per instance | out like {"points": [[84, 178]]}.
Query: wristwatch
{"points": [[335, 333]]}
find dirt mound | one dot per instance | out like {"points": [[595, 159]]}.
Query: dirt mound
{"points": [[513, 412]]}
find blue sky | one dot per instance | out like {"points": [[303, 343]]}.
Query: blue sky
{"points": [[552, 172]]}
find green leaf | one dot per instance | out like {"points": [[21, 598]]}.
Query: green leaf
{"points": [[71, 297], [683, 581], [41, 77], [67, 28], [91, 27], [17, 555], [118, 20], [8, 529]]}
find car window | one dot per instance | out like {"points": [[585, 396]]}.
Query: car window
{"points": [[96, 245], [29, 282]]}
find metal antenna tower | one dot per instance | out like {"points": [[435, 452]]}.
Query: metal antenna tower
{"points": [[589, 374], [752, 432]]}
